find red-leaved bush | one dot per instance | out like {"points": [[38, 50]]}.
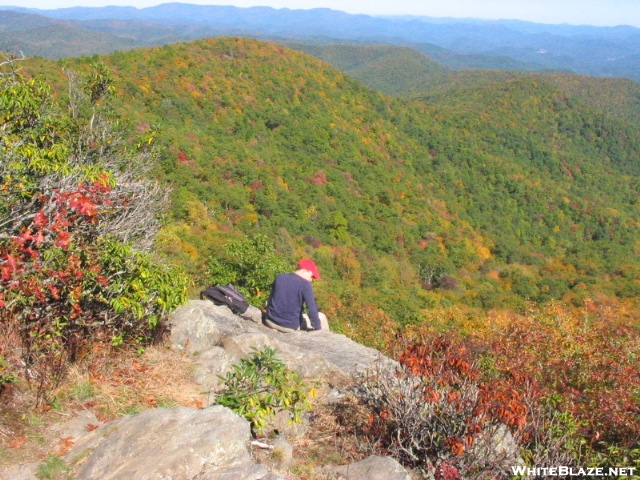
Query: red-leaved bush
{"points": [[588, 360], [447, 410], [72, 204], [552, 387], [435, 411]]}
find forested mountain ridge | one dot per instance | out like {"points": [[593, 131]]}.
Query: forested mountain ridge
{"points": [[408, 73], [38, 35], [509, 190], [394, 71], [415, 71], [464, 43]]}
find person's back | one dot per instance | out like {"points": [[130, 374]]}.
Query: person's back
{"points": [[289, 295]]}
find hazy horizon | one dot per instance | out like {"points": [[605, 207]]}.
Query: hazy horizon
{"points": [[573, 12]]}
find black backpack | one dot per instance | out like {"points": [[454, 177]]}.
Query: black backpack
{"points": [[226, 295]]}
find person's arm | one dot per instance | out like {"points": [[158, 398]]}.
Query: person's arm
{"points": [[312, 308]]}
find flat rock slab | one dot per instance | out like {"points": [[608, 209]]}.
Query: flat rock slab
{"points": [[201, 327]]}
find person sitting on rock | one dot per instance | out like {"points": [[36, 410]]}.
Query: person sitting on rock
{"points": [[290, 293]]}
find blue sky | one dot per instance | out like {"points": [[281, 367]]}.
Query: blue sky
{"points": [[575, 12]]}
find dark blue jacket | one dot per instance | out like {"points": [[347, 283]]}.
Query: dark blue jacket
{"points": [[289, 294]]}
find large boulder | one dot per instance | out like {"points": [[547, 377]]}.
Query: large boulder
{"points": [[178, 443], [203, 328]]}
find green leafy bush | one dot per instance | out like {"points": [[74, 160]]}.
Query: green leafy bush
{"points": [[140, 288], [5, 375], [262, 385], [250, 264]]}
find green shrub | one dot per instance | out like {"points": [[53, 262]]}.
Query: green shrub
{"points": [[6, 376], [250, 264], [260, 386], [139, 288]]}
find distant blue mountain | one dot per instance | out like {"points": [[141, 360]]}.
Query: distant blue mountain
{"points": [[591, 50]]}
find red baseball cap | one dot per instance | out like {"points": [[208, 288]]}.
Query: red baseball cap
{"points": [[309, 265]]}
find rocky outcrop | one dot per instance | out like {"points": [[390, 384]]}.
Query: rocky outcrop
{"points": [[183, 443], [218, 339], [176, 443]]}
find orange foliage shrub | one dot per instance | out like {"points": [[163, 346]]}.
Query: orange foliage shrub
{"points": [[439, 413], [564, 381], [587, 357], [359, 320]]}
